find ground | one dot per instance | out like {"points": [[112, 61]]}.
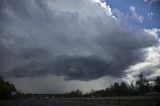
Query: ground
{"points": [[38, 102]]}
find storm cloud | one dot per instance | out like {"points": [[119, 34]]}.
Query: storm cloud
{"points": [[77, 39]]}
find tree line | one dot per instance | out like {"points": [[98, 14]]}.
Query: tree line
{"points": [[141, 87]]}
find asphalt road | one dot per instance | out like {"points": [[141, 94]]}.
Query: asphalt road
{"points": [[36, 102]]}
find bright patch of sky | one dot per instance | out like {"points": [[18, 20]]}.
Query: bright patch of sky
{"points": [[146, 14]]}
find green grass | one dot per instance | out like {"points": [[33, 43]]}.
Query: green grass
{"points": [[126, 101]]}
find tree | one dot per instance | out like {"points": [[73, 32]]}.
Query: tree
{"points": [[76, 93], [142, 84], [1, 80], [115, 89], [124, 89], [132, 89], [5, 89], [157, 81], [157, 84]]}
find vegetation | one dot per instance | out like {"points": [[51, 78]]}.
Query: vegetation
{"points": [[141, 87], [5, 89], [116, 101], [116, 94], [142, 84], [157, 85]]}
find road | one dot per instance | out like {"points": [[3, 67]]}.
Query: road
{"points": [[36, 102]]}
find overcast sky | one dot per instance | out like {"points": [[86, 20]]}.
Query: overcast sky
{"points": [[55, 46]]}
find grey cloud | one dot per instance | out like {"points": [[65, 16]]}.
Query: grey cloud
{"points": [[74, 39], [56, 84], [82, 68]]}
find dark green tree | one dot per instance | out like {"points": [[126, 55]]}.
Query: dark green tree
{"points": [[142, 84], [115, 89], [157, 84], [76, 93], [132, 89], [5, 89], [124, 91], [157, 81]]}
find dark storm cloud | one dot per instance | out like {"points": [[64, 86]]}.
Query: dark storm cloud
{"points": [[75, 39], [82, 68]]}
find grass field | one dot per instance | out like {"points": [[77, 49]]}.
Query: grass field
{"points": [[125, 101]]}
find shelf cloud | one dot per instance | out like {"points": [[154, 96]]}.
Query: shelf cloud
{"points": [[77, 39]]}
